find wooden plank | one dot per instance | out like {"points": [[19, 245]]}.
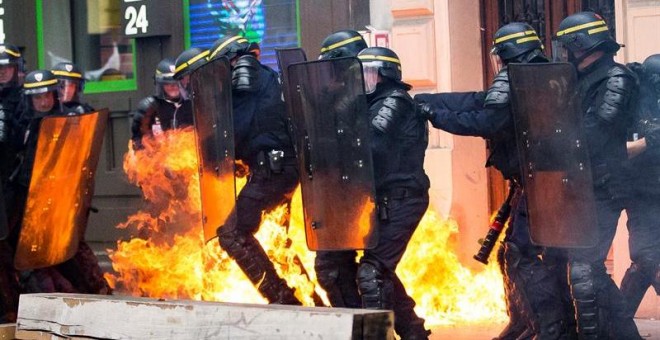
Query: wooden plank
{"points": [[117, 317], [37, 335], [7, 331]]}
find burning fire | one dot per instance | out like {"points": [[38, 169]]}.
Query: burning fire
{"points": [[167, 257]]}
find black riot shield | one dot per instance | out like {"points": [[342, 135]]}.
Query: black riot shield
{"points": [[4, 228], [330, 113], [61, 189], [554, 156], [214, 128]]}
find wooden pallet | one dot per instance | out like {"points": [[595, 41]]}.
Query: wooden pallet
{"points": [[72, 316]]}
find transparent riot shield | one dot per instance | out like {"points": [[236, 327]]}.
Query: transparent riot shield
{"points": [[61, 189], [554, 156], [214, 129], [4, 227], [330, 110], [286, 57]]}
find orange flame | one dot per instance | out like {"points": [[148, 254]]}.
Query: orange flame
{"points": [[170, 259]]}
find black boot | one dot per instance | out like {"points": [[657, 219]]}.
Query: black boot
{"points": [[519, 322], [256, 265], [336, 273]]}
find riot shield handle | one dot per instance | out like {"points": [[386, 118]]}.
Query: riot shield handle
{"points": [[496, 226]]}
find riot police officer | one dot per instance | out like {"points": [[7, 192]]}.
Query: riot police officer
{"points": [[169, 108], [11, 68], [644, 204], [72, 84], [336, 270], [399, 137], [344, 43], [532, 290], [607, 90], [262, 142]]}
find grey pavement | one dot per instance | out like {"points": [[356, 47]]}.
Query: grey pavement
{"points": [[648, 328]]}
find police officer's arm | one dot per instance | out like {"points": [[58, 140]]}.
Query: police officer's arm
{"points": [[391, 110], [6, 115], [466, 113], [621, 90], [142, 117]]}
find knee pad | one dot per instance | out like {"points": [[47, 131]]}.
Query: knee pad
{"points": [[512, 255], [232, 242], [581, 279], [375, 288]]}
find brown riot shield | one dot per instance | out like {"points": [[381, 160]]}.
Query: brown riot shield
{"points": [[61, 189], [332, 121], [214, 129], [286, 57], [554, 158], [4, 227]]}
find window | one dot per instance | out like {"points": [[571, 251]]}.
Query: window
{"points": [[88, 33], [271, 23]]}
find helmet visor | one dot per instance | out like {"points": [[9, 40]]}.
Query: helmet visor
{"points": [[68, 90], [370, 73], [496, 62], [560, 52]]}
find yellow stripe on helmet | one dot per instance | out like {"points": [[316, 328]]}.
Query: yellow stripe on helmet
{"points": [[597, 30], [67, 74], [16, 54], [523, 40], [192, 61], [341, 43], [39, 84], [237, 38], [581, 27], [369, 57], [515, 35]]}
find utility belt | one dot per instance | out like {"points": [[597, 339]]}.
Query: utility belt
{"points": [[384, 198], [273, 162]]}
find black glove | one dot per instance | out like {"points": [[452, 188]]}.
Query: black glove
{"points": [[425, 111]]}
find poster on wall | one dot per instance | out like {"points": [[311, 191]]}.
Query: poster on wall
{"points": [[271, 23]]}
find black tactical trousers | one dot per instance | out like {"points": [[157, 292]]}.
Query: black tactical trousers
{"points": [[263, 192], [644, 242], [536, 297], [599, 305], [336, 273], [379, 286], [9, 288]]}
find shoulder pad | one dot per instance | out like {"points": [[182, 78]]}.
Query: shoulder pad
{"points": [[620, 88], [146, 104], [245, 74], [498, 93], [393, 106]]}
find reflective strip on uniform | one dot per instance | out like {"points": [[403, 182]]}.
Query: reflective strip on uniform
{"points": [[67, 74], [41, 83], [224, 44], [191, 61], [367, 57], [514, 35], [581, 27], [341, 43]]}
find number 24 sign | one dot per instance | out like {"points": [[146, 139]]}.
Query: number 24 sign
{"points": [[146, 18]]}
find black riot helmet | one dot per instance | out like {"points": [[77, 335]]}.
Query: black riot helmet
{"points": [[380, 62], [232, 47], [345, 43], [580, 35], [37, 83], [10, 55], [70, 78], [188, 61], [165, 75], [515, 42], [40, 81], [651, 67]]}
